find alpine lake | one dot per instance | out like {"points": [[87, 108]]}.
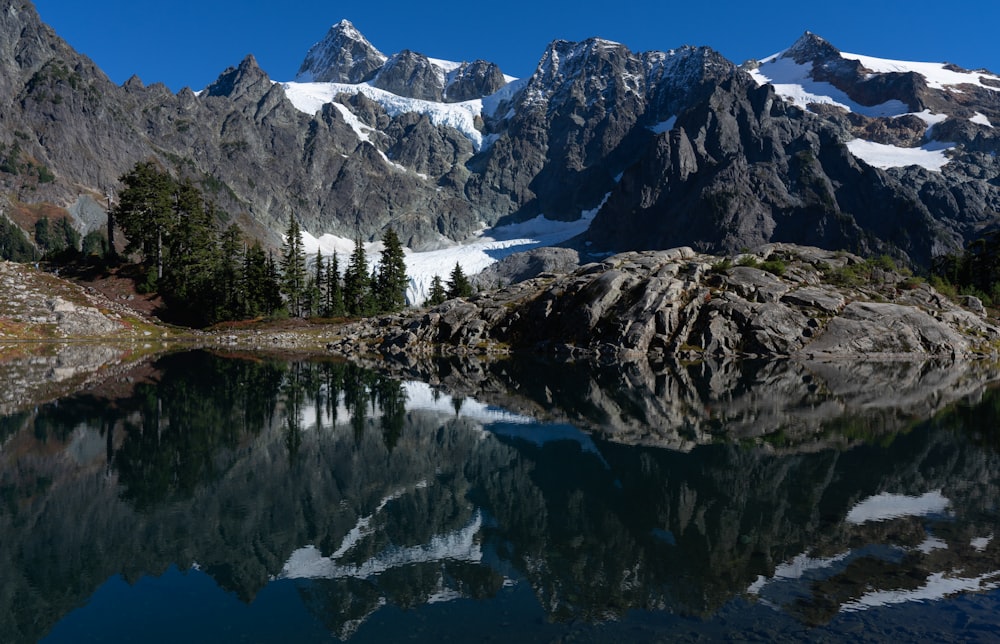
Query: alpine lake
{"points": [[205, 496]]}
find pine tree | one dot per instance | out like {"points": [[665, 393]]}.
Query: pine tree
{"points": [[319, 279], [293, 268], [254, 282], [14, 244], [390, 282], [43, 235], [458, 283], [144, 213], [190, 283], [230, 275], [272, 286], [438, 294], [334, 290], [357, 282]]}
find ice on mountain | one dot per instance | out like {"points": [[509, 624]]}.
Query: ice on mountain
{"points": [[930, 156], [794, 82]]}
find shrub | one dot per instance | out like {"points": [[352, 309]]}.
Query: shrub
{"points": [[722, 265], [774, 266]]}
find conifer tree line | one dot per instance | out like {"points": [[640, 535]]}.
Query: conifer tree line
{"points": [[321, 290], [206, 275]]}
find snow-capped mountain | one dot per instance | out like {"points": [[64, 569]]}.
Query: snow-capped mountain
{"points": [[343, 56], [662, 148], [814, 73]]}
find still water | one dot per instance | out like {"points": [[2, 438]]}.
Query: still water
{"points": [[215, 499]]}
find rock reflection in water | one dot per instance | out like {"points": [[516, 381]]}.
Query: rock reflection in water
{"points": [[366, 491], [679, 406]]}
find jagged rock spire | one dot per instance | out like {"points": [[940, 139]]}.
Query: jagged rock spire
{"points": [[343, 56], [238, 81], [810, 47]]}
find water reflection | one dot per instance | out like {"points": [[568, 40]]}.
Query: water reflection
{"points": [[368, 494]]}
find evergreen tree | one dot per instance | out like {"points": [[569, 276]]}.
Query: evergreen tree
{"points": [[193, 261], [438, 294], [230, 275], [95, 243], [390, 283], [144, 212], [272, 285], [255, 282], [14, 244], [70, 238], [293, 269], [54, 238], [43, 234], [357, 286], [458, 284], [334, 290], [261, 285], [319, 282]]}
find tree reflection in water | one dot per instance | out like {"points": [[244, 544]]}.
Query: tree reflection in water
{"points": [[365, 491]]}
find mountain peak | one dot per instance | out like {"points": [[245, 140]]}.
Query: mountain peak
{"points": [[238, 81], [810, 47], [347, 30], [343, 56]]}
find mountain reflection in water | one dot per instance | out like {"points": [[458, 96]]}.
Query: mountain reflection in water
{"points": [[783, 501]]}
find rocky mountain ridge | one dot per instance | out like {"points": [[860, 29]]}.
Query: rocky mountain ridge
{"points": [[681, 147]]}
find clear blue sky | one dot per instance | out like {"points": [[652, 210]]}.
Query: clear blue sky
{"points": [[190, 42]]}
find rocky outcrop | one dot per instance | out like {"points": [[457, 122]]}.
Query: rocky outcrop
{"points": [[35, 305], [783, 300], [526, 265], [470, 81], [412, 75]]}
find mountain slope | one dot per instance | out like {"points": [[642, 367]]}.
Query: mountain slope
{"points": [[811, 147], [680, 147]]}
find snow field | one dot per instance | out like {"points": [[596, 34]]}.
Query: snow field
{"points": [[310, 98], [473, 256], [931, 156], [794, 83]]}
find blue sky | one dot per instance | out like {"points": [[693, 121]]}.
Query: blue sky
{"points": [[189, 42]]}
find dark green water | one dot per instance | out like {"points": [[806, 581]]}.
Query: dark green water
{"points": [[257, 500]]}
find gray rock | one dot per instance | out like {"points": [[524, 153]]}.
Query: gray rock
{"points": [[877, 329], [523, 266], [667, 304]]}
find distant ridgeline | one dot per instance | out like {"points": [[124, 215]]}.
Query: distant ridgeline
{"points": [[650, 150]]}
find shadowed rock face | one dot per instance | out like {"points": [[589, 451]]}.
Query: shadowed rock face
{"points": [[782, 301]]}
